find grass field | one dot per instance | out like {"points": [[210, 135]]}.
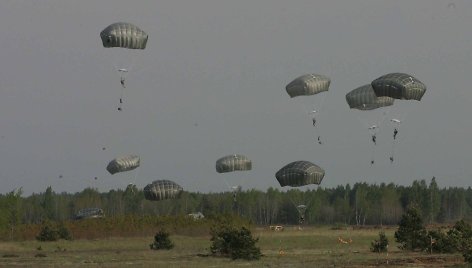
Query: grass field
{"points": [[310, 247]]}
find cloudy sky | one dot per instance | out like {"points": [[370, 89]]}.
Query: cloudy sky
{"points": [[211, 82]]}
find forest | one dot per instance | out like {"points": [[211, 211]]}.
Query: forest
{"points": [[359, 204]]}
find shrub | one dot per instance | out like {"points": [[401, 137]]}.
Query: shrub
{"points": [[63, 232], [441, 242], [53, 232], [460, 236], [411, 232], [162, 241], [232, 242], [380, 245], [47, 233]]}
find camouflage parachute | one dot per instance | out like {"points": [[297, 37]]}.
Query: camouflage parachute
{"points": [[308, 84], [87, 213], [300, 173], [232, 163], [161, 190], [399, 86], [124, 163], [124, 35], [364, 98]]}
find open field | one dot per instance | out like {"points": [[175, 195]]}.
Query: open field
{"points": [[310, 247]]}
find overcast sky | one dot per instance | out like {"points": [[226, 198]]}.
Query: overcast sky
{"points": [[211, 82]]}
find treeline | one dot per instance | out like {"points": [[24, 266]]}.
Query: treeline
{"points": [[359, 204]]}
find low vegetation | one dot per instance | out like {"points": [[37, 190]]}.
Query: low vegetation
{"points": [[162, 241]]}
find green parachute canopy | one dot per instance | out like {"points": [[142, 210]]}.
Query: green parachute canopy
{"points": [[87, 213], [399, 86], [300, 173], [308, 84], [161, 190], [124, 35], [364, 98], [123, 163], [232, 163]]}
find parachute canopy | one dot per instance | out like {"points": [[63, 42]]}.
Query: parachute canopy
{"points": [[399, 86], [161, 190], [300, 173], [124, 163], [364, 98], [232, 163], [125, 35], [308, 84], [87, 213]]}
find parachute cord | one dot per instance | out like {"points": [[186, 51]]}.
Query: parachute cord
{"points": [[120, 105], [385, 114], [392, 154], [314, 117], [136, 176], [372, 155]]}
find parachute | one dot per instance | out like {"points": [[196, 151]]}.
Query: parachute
{"points": [[299, 173], [87, 213], [234, 162], [301, 213], [231, 163], [399, 86], [124, 163], [124, 35], [127, 36], [364, 98], [308, 84], [161, 190]]}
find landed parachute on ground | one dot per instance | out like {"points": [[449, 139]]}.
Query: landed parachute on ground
{"points": [[124, 163], [300, 173], [87, 213], [161, 190], [308, 84], [232, 163], [364, 98], [124, 35], [399, 86]]}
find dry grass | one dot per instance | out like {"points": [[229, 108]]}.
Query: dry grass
{"points": [[311, 247]]}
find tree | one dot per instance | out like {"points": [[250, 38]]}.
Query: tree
{"points": [[162, 241], [411, 232], [48, 204], [435, 200], [232, 242], [10, 210], [381, 244]]}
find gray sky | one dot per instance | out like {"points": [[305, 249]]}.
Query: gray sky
{"points": [[211, 82]]}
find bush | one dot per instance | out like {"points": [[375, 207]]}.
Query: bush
{"points": [[380, 245], [411, 232], [53, 232], [232, 242], [460, 236], [47, 233], [63, 232], [441, 242], [162, 241]]}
